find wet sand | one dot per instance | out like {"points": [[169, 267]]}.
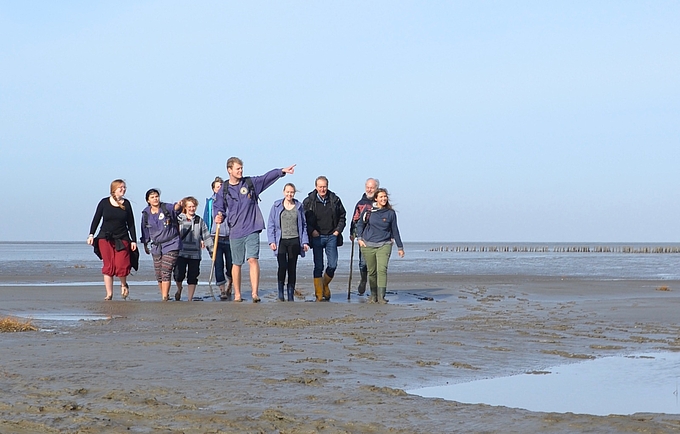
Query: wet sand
{"points": [[305, 367]]}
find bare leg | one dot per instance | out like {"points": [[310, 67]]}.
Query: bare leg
{"points": [[192, 289], [254, 266], [165, 289], [108, 284], [236, 279], [123, 287]]}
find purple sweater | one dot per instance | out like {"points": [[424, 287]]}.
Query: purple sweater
{"points": [[244, 217], [162, 233]]}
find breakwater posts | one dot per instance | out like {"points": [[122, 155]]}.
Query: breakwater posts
{"points": [[556, 249]]}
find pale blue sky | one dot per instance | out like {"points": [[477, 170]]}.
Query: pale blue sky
{"points": [[487, 121]]}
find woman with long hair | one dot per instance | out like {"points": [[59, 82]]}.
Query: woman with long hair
{"points": [[287, 236], [114, 244], [377, 230]]}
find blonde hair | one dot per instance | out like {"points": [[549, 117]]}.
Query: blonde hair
{"points": [[234, 160], [188, 199], [114, 186]]}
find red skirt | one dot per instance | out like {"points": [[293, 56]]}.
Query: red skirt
{"points": [[116, 262]]}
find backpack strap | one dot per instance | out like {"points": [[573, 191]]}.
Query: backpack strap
{"points": [[187, 232], [252, 194], [196, 220], [145, 219], [251, 189], [367, 214]]}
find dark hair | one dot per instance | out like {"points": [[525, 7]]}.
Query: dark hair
{"points": [[291, 185], [321, 178], [217, 179], [383, 190], [152, 191]]}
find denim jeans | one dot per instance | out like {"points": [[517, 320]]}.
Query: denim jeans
{"points": [[362, 262], [329, 244], [223, 255]]}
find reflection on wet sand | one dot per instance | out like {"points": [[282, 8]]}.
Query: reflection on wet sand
{"points": [[610, 385]]}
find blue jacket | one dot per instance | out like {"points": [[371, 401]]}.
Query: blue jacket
{"points": [[209, 220], [379, 226], [274, 225]]}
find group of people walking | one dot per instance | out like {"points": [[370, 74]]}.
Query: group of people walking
{"points": [[230, 229]]}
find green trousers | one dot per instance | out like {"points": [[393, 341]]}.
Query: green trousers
{"points": [[376, 261]]}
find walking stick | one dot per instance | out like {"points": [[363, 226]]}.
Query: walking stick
{"points": [[214, 256], [351, 263]]}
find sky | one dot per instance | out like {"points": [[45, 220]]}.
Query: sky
{"points": [[487, 121]]}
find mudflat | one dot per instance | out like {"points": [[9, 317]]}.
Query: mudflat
{"points": [[306, 367]]}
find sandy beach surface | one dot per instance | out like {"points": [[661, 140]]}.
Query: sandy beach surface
{"points": [[305, 367]]}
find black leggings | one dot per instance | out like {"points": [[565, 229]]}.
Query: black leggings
{"points": [[289, 249]]}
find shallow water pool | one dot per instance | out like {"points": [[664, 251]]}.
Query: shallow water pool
{"points": [[642, 383], [53, 316]]}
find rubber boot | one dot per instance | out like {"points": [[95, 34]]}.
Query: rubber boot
{"points": [[326, 289], [373, 296], [381, 295], [318, 288], [281, 292], [362, 284], [291, 292]]}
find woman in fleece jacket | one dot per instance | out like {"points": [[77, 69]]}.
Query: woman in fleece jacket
{"points": [[376, 231], [287, 237]]}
